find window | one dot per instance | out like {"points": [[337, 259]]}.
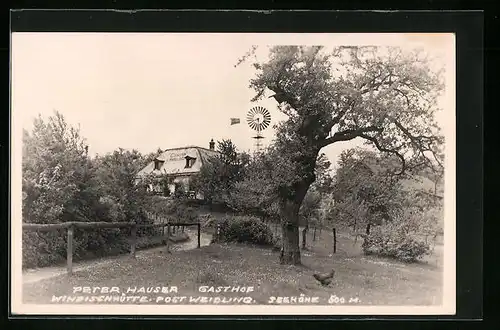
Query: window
{"points": [[189, 162], [158, 164]]}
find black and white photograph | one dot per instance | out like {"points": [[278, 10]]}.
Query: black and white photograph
{"points": [[233, 173]]}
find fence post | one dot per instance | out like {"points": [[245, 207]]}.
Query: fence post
{"points": [[133, 240], [168, 236], [199, 238], [304, 234], [334, 240], [69, 251]]}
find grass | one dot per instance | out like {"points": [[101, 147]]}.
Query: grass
{"points": [[374, 281]]}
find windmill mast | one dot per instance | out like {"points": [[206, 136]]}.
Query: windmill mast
{"points": [[258, 138]]}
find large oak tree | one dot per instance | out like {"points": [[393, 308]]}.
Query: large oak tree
{"points": [[384, 95]]}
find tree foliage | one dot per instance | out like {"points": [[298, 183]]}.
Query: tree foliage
{"points": [[384, 95], [115, 176], [249, 184], [365, 191], [56, 173], [152, 156], [221, 173]]}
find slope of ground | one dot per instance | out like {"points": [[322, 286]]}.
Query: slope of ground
{"points": [[371, 280]]}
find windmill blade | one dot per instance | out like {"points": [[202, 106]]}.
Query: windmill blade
{"points": [[258, 118]]}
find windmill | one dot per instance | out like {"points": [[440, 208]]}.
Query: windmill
{"points": [[258, 118]]}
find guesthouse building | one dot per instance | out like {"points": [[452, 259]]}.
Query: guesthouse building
{"points": [[179, 165]]}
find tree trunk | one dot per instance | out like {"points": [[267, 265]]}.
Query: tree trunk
{"points": [[290, 251], [314, 235], [368, 226]]}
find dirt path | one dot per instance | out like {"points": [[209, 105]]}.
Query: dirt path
{"points": [[38, 274]]}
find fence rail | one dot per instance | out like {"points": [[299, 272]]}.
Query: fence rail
{"points": [[71, 226]]}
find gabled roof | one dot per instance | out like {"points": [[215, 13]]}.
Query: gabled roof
{"points": [[174, 161]]}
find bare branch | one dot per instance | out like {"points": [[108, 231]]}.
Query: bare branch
{"points": [[349, 134], [405, 95], [373, 86], [418, 142]]}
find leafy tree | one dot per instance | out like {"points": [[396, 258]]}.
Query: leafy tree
{"points": [[258, 194], [254, 194], [62, 183], [116, 176], [152, 156], [384, 95], [324, 181], [436, 176], [165, 183], [58, 186], [365, 189], [56, 173], [309, 211], [219, 174]]}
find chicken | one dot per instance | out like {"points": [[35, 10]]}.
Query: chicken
{"points": [[324, 279]]}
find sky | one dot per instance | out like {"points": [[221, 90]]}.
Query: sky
{"points": [[149, 91]]}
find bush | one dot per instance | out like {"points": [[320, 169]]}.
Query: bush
{"points": [[400, 239], [185, 213], [244, 230], [91, 243], [41, 249], [180, 210], [407, 250]]}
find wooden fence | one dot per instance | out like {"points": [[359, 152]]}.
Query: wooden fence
{"points": [[71, 226]]}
